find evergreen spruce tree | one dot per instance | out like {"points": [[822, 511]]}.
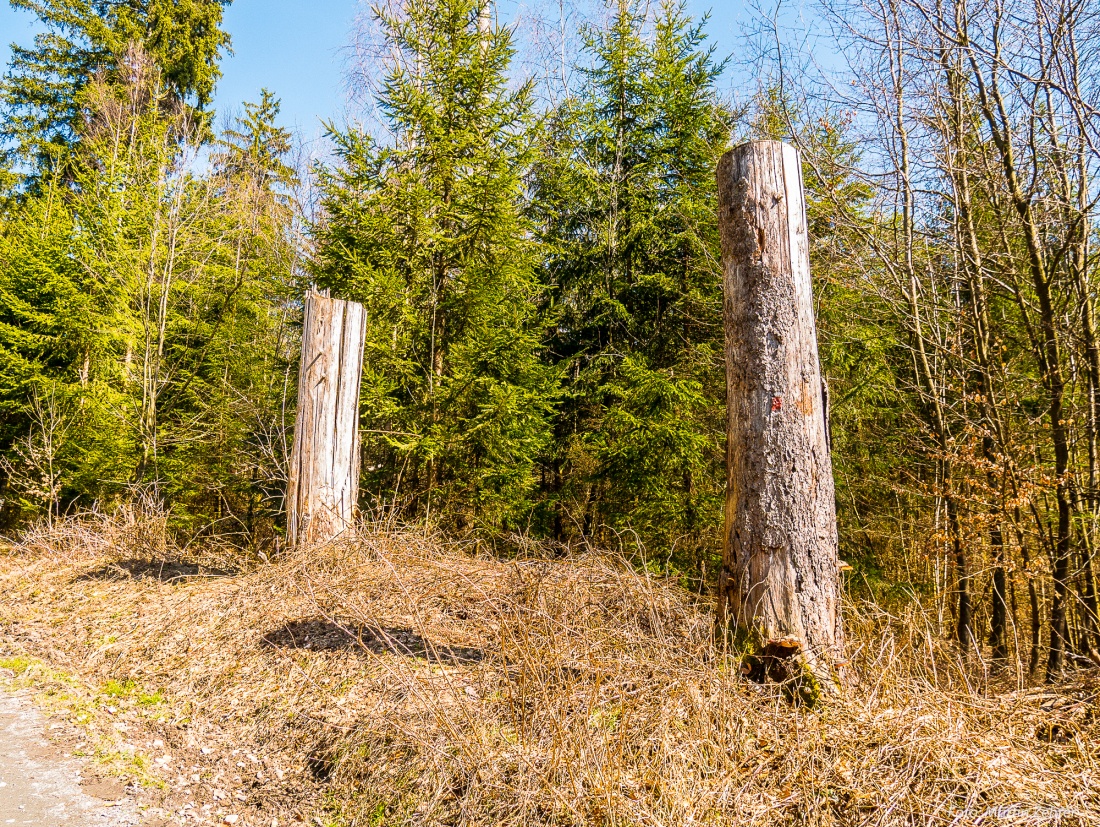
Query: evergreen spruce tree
{"points": [[146, 315], [260, 312], [427, 231], [624, 198], [39, 94], [62, 417], [230, 338]]}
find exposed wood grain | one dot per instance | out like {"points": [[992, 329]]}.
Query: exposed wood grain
{"points": [[780, 577], [323, 485]]}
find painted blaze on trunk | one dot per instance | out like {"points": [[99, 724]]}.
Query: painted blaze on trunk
{"points": [[780, 582]]}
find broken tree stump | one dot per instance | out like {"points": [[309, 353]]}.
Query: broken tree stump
{"points": [[779, 587], [323, 483]]}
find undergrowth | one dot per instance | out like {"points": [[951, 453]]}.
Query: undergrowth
{"points": [[398, 680]]}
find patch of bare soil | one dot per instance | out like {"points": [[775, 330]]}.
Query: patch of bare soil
{"points": [[396, 680], [41, 785]]}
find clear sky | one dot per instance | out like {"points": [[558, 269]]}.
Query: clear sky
{"points": [[295, 48], [299, 50]]}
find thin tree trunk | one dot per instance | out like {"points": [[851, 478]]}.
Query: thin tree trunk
{"points": [[931, 394], [1049, 352], [998, 636], [1032, 598]]}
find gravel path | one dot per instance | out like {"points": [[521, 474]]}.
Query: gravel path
{"points": [[40, 786]]}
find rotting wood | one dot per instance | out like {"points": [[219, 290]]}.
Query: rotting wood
{"points": [[323, 483], [779, 587]]}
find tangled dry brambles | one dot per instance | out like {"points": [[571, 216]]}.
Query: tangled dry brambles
{"points": [[396, 680]]}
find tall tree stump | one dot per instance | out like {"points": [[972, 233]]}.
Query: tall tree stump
{"points": [[323, 484], [780, 579]]}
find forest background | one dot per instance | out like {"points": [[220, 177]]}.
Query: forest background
{"points": [[537, 252]]}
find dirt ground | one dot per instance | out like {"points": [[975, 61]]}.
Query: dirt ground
{"points": [[43, 786]]}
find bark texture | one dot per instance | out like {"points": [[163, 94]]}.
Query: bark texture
{"points": [[323, 485], [780, 578]]}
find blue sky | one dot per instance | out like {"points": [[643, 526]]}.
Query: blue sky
{"points": [[299, 50], [295, 48]]}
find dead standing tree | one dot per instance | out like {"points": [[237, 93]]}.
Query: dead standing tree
{"points": [[323, 484], [780, 580]]}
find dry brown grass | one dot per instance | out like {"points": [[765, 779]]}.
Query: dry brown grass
{"points": [[396, 680]]}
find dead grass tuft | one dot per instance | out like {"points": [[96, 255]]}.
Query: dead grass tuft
{"points": [[399, 680]]}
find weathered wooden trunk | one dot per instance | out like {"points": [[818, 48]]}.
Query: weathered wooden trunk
{"points": [[780, 580], [323, 485]]}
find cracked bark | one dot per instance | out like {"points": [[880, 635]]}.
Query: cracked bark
{"points": [[323, 484], [780, 579]]}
